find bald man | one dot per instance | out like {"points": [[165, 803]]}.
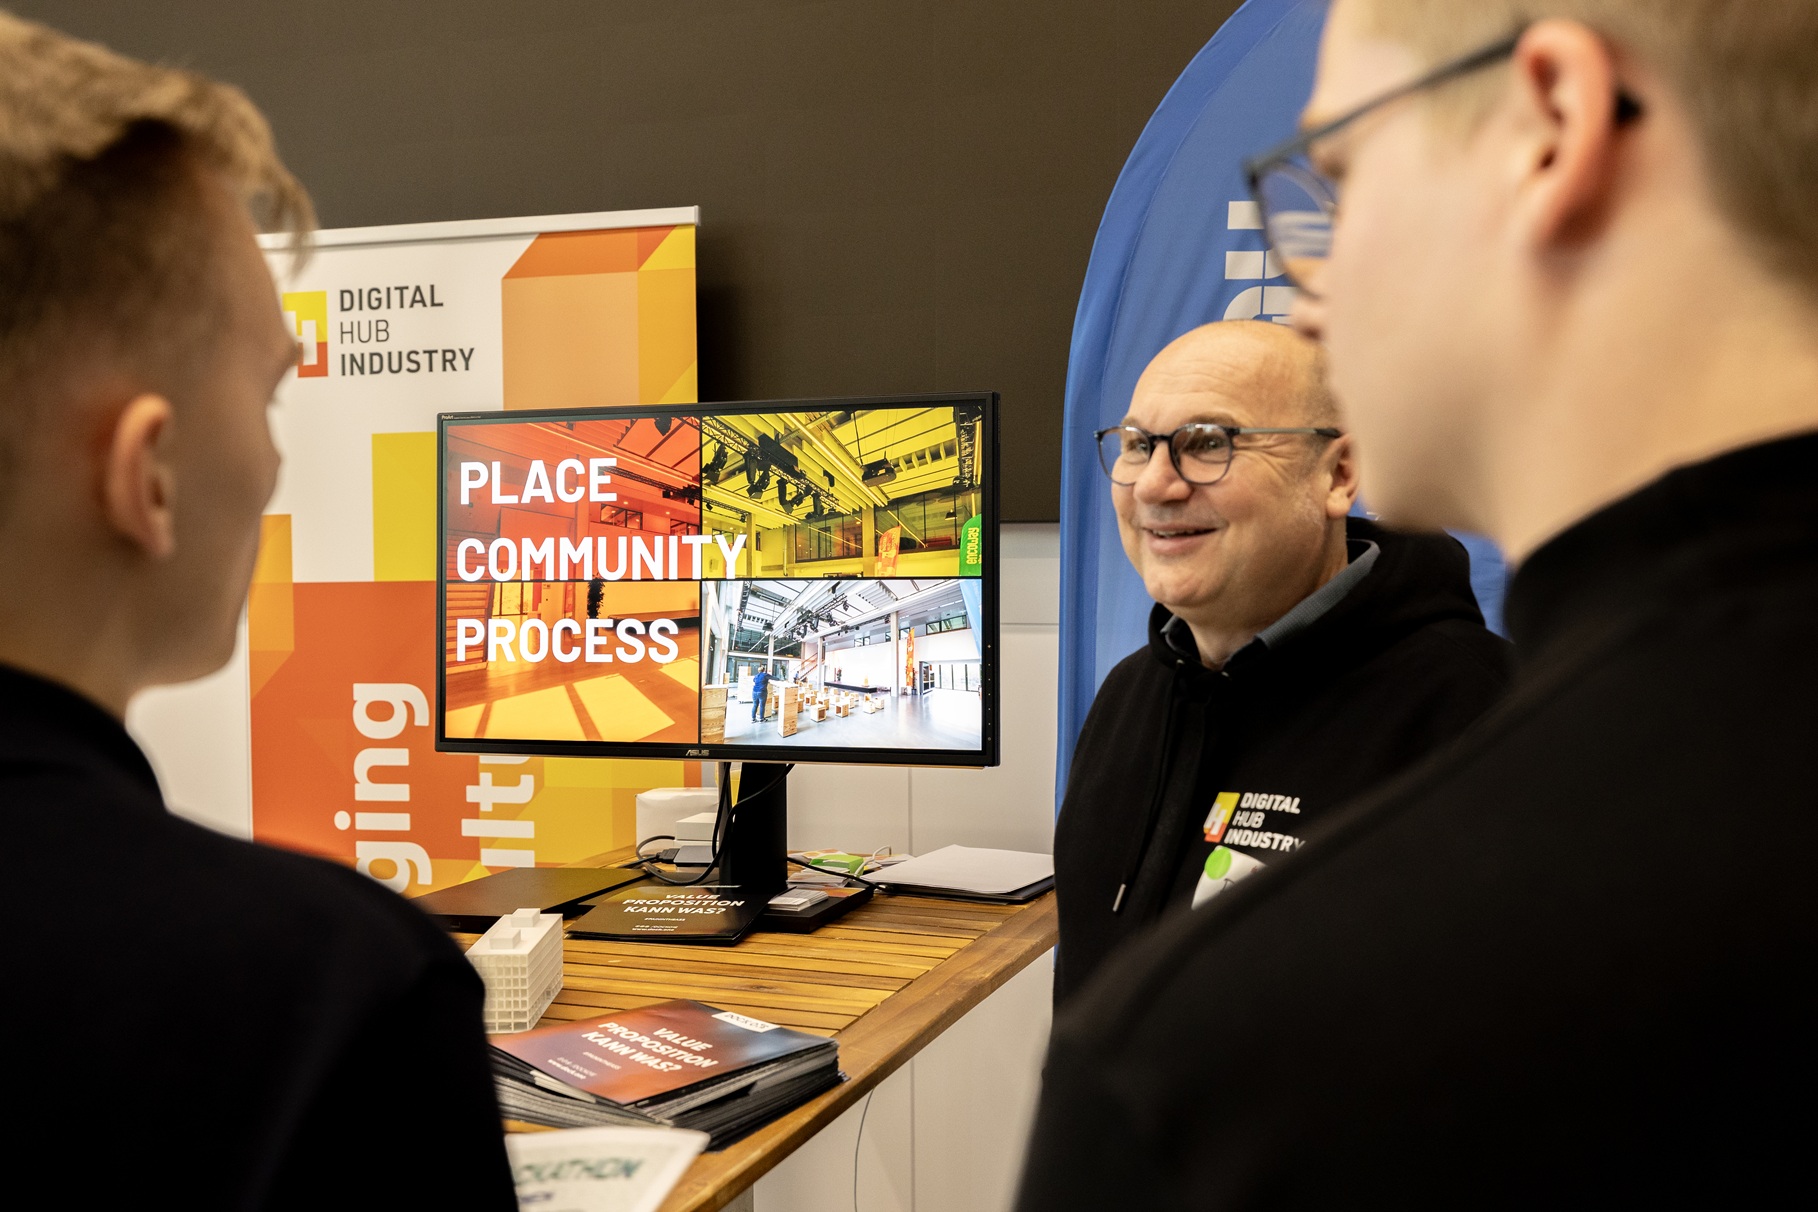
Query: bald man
{"points": [[1297, 656]]}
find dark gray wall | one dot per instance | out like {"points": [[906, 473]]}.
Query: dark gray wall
{"points": [[896, 195]]}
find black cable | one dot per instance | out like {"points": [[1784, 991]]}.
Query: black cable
{"points": [[724, 819], [836, 871], [638, 851], [724, 815]]}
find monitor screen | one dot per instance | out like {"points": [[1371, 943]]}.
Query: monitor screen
{"points": [[810, 581]]}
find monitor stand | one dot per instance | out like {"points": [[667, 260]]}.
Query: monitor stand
{"points": [[754, 852], [733, 897]]}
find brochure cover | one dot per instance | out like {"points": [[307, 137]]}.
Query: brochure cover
{"points": [[700, 913], [649, 1057]]}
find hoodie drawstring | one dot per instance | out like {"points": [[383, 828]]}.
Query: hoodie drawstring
{"points": [[1155, 800]]}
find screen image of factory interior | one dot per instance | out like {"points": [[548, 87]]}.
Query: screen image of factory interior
{"points": [[852, 616], [814, 663]]}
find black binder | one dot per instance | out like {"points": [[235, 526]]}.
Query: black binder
{"points": [[477, 904]]}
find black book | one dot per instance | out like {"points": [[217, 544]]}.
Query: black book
{"points": [[477, 904], [680, 1064]]}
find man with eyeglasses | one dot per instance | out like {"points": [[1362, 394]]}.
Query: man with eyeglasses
{"points": [[1296, 656], [1564, 256]]}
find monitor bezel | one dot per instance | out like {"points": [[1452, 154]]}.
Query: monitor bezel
{"points": [[990, 646]]}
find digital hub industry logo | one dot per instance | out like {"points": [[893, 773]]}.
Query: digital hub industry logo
{"points": [[306, 311]]}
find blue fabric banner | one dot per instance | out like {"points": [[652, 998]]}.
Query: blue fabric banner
{"points": [[1180, 245]]}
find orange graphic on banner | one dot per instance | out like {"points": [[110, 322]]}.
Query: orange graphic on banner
{"points": [[600, 318], [344, 762], [271, 610], [343, 752]]}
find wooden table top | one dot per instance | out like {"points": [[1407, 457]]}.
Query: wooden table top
{"points": [[886, 979]]}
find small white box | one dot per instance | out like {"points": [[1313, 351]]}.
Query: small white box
{"points": [[520, 959], [661, 807], [697, 829]]}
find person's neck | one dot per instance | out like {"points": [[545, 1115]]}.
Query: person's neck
{"points": [[1221, 630], [1646, 379], [70, 631]]}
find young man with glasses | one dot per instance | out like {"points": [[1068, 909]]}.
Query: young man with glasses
{"points": [[1296, 656], [1568, 279]]}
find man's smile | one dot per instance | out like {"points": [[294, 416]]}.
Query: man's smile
{"points": [[1176, 540]]}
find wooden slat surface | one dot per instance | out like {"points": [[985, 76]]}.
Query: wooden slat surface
{"points": [[885, 980]]}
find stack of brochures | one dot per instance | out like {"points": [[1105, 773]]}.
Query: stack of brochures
{"points": [[677, 1064]]}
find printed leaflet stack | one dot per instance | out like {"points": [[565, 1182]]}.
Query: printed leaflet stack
{"points": [[679, 1064]]}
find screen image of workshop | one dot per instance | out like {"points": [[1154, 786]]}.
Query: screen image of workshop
{"points": [[860, 664], [858, 492]]}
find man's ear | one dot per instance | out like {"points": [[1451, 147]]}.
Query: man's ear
{"points": [[1340, 460], [1565, 81], [139, 484]]}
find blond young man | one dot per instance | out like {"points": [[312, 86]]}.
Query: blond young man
{"points": [[192, 1021], [1571, 298]]}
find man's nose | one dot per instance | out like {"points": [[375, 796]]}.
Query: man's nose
{"points": [[1159, 480]]}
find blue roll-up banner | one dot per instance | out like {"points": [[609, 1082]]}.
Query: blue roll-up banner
{"points": [[1180, 245]]}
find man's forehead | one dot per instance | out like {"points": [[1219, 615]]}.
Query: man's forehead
{"points": [[1231, 382]]}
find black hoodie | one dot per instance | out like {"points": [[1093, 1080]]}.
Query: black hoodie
{"points": [[1564, 963], [1177, 762]]}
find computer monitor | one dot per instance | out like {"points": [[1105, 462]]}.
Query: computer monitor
{"points": [[785, 581]]}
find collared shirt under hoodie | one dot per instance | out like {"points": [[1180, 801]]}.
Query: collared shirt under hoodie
{"points": [[1180, 768], [198, 1022], [1564, 962]]}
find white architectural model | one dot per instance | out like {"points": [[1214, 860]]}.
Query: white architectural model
{"points": [[520, 959]]}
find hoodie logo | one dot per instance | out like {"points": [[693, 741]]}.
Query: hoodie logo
{"points": [[1220, 817], [1237, 817]]}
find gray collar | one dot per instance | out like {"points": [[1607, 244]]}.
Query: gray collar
{"points": [[1310, 608], [1303, 615]]}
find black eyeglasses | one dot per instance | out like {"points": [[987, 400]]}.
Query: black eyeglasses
{"points": [[1200, 451], [1298, 202]]}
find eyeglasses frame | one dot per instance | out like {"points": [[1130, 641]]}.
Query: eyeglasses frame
{"points": [[1167, 439]]}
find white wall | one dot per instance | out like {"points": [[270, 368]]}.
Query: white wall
{"points": [[945, 1133], [856, 664]]}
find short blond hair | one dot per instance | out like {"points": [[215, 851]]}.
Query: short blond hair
{"points": [[1746, 71], [104, 231]]}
